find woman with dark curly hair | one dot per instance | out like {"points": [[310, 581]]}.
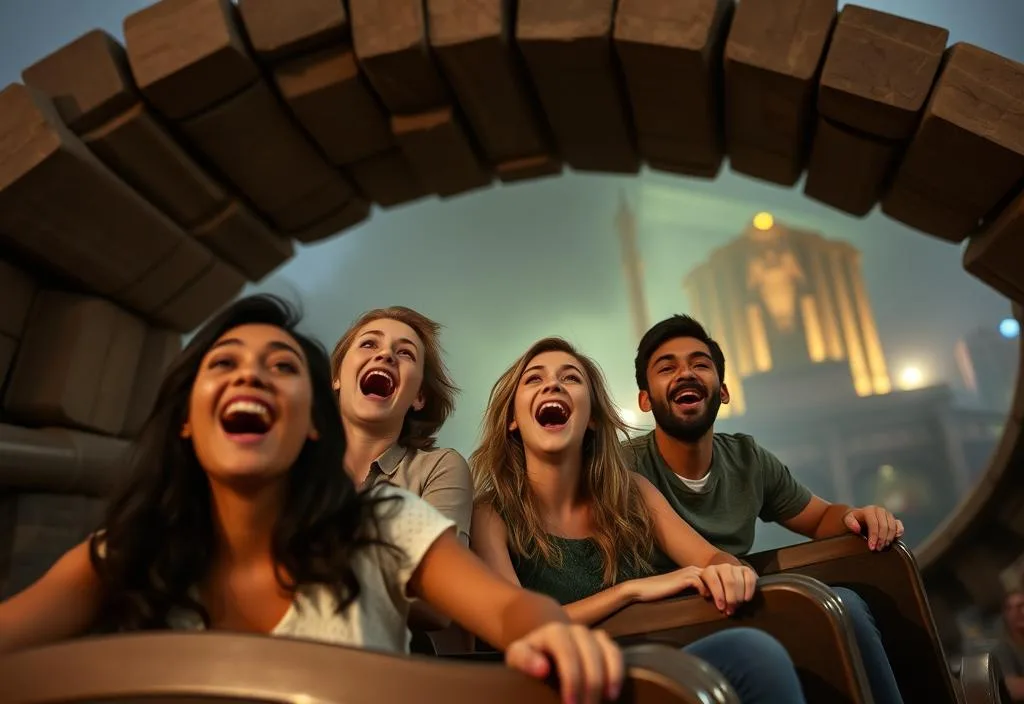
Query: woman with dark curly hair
{"points": [[238, 517]]}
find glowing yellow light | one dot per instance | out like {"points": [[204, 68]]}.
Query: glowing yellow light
{"points": [[887, 472], [911, 378], [629, 417], [764, 221]]}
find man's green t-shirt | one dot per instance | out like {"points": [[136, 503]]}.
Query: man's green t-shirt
{"points": [[745, 482]]}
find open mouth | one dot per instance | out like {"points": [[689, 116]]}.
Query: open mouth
{"points": [[688, 396], [553, 414], [247, 417], [377, 383]]}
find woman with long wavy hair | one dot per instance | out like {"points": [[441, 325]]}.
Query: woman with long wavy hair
{"points": [[237, 517], [558, 512]]}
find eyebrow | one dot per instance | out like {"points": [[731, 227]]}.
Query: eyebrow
{"points": [[669, 357], [378, 333], [274, 345], [538, 367]]}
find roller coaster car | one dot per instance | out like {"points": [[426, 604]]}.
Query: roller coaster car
{"points": [[203, 668], [801, 612], [890, 583]]}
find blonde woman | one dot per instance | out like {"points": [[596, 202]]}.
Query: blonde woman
{"points": [[559, 513]]}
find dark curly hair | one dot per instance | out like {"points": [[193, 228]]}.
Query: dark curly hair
{"points": [[156, 541]]}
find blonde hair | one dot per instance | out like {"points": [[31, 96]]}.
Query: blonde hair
{"points": [[622, 523], [420, 428]]}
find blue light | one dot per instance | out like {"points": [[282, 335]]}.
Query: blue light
{"points": [[1009, 328]]}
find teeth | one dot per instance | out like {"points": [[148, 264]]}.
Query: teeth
{"points": [[253, 407], [562, 408], [379, 372]]}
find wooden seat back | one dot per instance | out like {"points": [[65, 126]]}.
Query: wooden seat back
{"points": [[802, 613], [890, 583], [218, 668]]}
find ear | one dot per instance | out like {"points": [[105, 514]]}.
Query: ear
{"points": [[725, 394], [314, 434], [643, 400], [186, 431], [513, 426], [336, 385], [419, 403]]}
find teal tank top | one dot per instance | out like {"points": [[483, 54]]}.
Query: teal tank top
{"points": [[581, 571]]}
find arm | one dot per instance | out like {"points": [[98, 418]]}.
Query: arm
{"points": [[530, 628], [480, 600], [676, 537], [727, 579], [490, 542], [61, 604], [819, 519]]}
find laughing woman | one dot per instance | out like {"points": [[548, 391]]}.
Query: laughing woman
{"points": [[559, 513], [236, 517], [395, 394]]}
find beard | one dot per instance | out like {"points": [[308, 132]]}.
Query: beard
{"points": [[688, 430]]}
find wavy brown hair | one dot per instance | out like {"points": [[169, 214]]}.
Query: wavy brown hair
{"points": [[622, 523], [420, 428]]}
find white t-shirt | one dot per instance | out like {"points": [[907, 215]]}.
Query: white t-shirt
{"points": [[377, 619], [696, 485]]}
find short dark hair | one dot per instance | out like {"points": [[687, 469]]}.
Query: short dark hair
{"points": [[670, 329]]}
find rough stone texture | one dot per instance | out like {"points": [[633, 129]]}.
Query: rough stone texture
{"points": [[879, 71], [968, 154], [772, 58]]}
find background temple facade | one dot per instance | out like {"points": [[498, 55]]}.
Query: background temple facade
{"points": [[780, 299], [808, 378]]}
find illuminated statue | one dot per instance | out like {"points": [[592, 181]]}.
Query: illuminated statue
{"points": [[776, 274]]}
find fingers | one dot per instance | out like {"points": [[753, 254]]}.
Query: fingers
{"points": [[886, 528], [749, 583], [614, 665], [713, 580], [870, 518], [524, 657], [591, 657], [556, 641], [588, 663], [890, 529], [693, 579], [732, 580], [882, 526]]}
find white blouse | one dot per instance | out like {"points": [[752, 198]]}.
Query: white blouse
{"points": [[377, 618]]}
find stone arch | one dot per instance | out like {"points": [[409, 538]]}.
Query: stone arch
{"points": [[142, 185]]}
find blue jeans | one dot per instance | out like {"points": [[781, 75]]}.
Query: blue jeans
{"points": [[754, 663], [876, 663]]}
